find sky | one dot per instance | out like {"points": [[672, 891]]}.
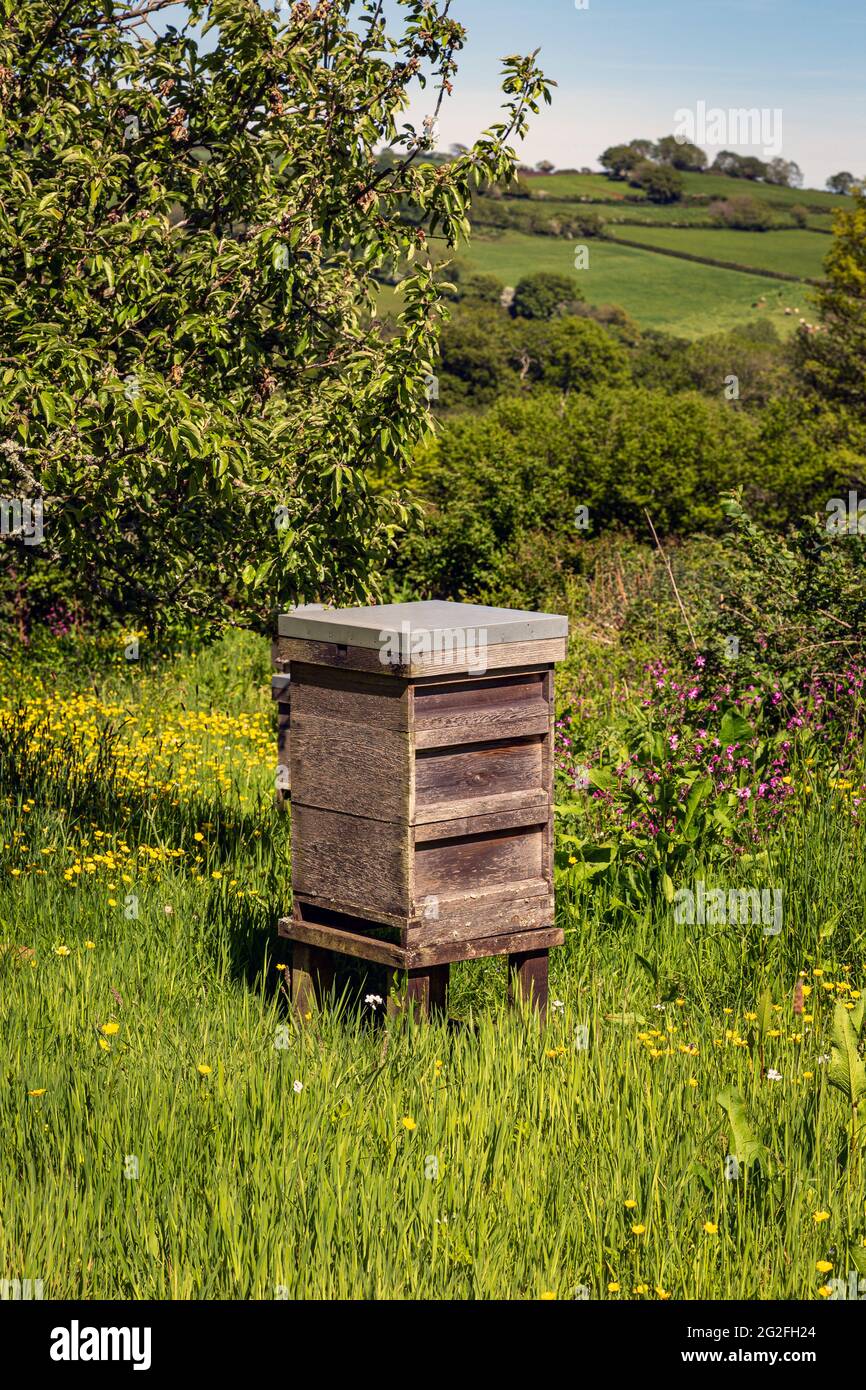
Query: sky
{"points": [[625, 67]]}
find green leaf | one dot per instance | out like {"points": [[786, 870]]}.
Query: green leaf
{"points": [[745, 1146], [846, 1070]]}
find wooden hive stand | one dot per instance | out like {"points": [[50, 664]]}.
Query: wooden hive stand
{"points": [[421, 774]]}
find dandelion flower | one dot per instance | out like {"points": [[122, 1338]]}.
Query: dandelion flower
{"points": [[39, 1092], [825, 1291], [820, 1216], [90, 945], [547, 1296], [823, 1266], [613, 1288], [630, 1204], [408, 1123], [711, 1228], [638, 1230], [203, 1069], [62, 951], [109, 1029]]}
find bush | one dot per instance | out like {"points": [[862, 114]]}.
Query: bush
{"points": [[542, 295], [742, 214]]}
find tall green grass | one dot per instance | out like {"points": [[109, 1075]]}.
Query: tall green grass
{"points": [[371, 1158]]}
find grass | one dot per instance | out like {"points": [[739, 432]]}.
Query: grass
{"points": [[360, 1157], [660, 292], [792, 252], [695, 185]]}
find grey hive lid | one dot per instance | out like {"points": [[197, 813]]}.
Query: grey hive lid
{"points": [[371, 627]]}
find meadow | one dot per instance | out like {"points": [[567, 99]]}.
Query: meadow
{"points": [[661, 292], [168, 1130]]}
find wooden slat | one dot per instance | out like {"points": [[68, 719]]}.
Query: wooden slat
{"points": [[510, 943], [478, 770], [345, 943], [339, 859], [473, 922], [444, 866], [499, 656], [490, 723], [533, 803], [351, 697], [533, 813], [358, 769]]}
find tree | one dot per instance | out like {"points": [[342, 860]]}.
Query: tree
{"points": [[617, 160], [544, 166], [833, 361], [574, 354], [739, 166], [662, 183], [840, 183], [682, 154], [195, 384], [784, 172], [544, 295]]}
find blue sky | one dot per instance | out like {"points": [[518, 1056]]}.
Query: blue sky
{"points": [[625, 66]]}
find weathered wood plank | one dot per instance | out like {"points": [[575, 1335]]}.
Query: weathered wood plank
{"points": [[499, 656], [532, 811], [357, 769], [348, 860], [345, 943], [480, 861], [478, 770], [351, 696], [518, 942]]}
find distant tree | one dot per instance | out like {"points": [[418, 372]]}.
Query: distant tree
{"points": [[573, 354], [742, 213], [682, 155], [833, 361], [616, 160], [543, 295], [480, 289], [544, 166], [799, 214], [661, 182], [841, 183], [739, 166], [784, 172]]}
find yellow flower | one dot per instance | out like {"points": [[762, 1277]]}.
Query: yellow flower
{"points": [[693, 1081], [613, 1288], [630, 1204], [112, 902], [823, 1266], [408, 1123], [280, 967], [40, 1092], [662, 1293], [106, 1046], [820, 1216], [711, 1228], [62, 951], [547, 1295], [109, 1029], [203, 1069], [825, 1291], [641, 1288], [680, 1002], [638, 1230], [90, 945], [571, 860], [818, 972], [198, 836]]}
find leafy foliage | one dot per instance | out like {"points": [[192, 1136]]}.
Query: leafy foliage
{"points": [[194, 380]]}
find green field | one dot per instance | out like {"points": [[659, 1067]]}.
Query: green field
{"points": [[793, 252], [598, 186], [658, 291], [168, 1130]]}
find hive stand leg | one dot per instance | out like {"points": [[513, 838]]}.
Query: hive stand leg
{"points": [[527, 979], [312, 977], [426, 992]]}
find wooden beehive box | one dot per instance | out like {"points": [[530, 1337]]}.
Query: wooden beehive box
{"points": [[421, 773]]}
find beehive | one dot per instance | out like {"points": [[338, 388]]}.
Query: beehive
{"points": [[421, 772]]}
